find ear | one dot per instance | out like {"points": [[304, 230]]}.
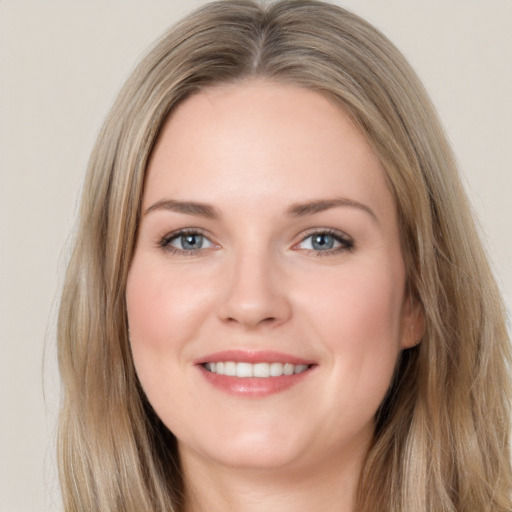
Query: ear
{"points": [[413, 322]]}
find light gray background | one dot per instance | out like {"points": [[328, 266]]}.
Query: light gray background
{"points": [[61, 64]]}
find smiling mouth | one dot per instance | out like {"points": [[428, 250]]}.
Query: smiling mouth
{"points": [[258, 370]]}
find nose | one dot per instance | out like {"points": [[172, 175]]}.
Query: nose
{"points": [[255, 293]]}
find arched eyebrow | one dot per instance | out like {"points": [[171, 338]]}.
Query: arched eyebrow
{"points": [[295, 210], [320, 205], [187, 207]]}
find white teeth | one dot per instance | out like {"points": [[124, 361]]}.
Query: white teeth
{"points": [[300, 368], [261, 370], [230, 368], [244, 370], [288, 369], [276, 369]]}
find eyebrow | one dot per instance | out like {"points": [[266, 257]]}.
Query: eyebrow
{"points": [[295, 210], [187, 207], [320, 205]]}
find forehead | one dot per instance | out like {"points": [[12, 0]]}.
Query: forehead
{"points": [[259, 140]]}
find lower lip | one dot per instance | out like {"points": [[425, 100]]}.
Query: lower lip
{"points": [[254, 387]]}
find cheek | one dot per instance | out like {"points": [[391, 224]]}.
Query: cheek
{"points": [[164, 312], [163, 307], [358, 317], [148, 318], [363, 304]]}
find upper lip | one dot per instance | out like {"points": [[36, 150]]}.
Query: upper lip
{"points": [[252, 356]]}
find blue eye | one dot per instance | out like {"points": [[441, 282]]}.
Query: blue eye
{"points": [[185, 242], [188, 242], [325, 242], [322, 241]]}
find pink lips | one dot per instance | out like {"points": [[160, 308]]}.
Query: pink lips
{"points": [[254, 387]]}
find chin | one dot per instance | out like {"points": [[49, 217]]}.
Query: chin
{"points": [[250, 449]]}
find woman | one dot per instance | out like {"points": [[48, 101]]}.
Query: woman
{"points": [[277, 297]]}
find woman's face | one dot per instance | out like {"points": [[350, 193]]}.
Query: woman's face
{"points": [[266, 297]]}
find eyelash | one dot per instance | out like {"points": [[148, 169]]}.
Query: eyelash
{"points": [[165, 242], [346, 243]]}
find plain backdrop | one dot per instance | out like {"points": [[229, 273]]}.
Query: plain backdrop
{"points": [[61, 65]]}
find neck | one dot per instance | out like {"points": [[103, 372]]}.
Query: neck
{"points": [[216, 488]]}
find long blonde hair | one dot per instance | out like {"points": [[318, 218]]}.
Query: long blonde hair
{"points": [[442, 433]]}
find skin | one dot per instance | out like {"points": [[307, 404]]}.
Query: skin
{"points": [[251, 151]]}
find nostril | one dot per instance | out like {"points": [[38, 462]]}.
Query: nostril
{"points": [[250, 320]]}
